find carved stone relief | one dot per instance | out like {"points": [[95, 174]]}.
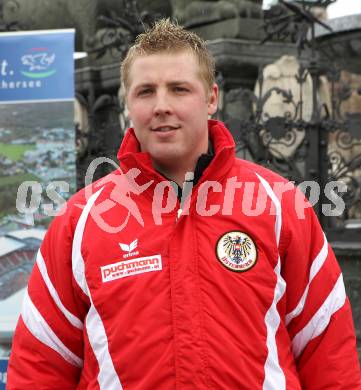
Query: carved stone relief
{"points": [[282, 74]]}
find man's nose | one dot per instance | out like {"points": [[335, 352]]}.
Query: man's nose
{"points": [[162, 104]]}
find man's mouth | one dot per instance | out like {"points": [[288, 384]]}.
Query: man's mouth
{"points": [[164, 129]]}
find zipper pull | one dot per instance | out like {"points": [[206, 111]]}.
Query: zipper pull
{"points": [[179, 213]]}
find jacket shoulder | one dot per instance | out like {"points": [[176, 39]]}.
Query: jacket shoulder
{"points": [[266, 173], [72, 209]]}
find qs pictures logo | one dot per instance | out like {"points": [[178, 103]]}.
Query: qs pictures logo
{"points": [[38, 63]]}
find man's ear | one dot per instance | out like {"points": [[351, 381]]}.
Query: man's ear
{"points": [[213, 100], [122, 96]]}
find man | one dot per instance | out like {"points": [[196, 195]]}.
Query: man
{"points": [[138, 286]]}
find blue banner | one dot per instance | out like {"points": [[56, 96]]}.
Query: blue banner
{"points": [[37, 66], [3, 368]]}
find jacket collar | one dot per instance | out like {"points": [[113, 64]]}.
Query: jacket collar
{"points": [[130, 156]]}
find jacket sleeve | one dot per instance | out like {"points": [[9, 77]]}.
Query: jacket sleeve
{"points": [[318, 313], [47, 350]]}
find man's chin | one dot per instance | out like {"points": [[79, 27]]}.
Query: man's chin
{"points": [[165, 153], [165, 160]]}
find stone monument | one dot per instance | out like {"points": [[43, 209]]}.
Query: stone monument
{"points": [[83, 15], [220, 19]]}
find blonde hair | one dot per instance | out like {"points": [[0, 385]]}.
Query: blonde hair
{"points": [[168, 37]]}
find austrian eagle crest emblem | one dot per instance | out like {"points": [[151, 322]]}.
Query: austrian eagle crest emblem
{"points": [[236, 251]]}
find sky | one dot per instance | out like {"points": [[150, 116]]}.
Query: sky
{"points": [[344, 7], [340, 8]]}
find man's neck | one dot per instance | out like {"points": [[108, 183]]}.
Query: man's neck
{"points": [[176, 173]]}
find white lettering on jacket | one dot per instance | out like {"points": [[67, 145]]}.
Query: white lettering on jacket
{"points": [[126, 268]]}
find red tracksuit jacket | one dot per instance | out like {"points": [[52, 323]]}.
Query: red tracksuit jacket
{"points": [[238, 290]]}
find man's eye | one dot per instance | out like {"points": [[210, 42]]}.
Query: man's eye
{"points": [[180, 89], [143, 92]]}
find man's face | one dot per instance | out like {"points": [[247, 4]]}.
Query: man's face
{"points": [[169, 107]]}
